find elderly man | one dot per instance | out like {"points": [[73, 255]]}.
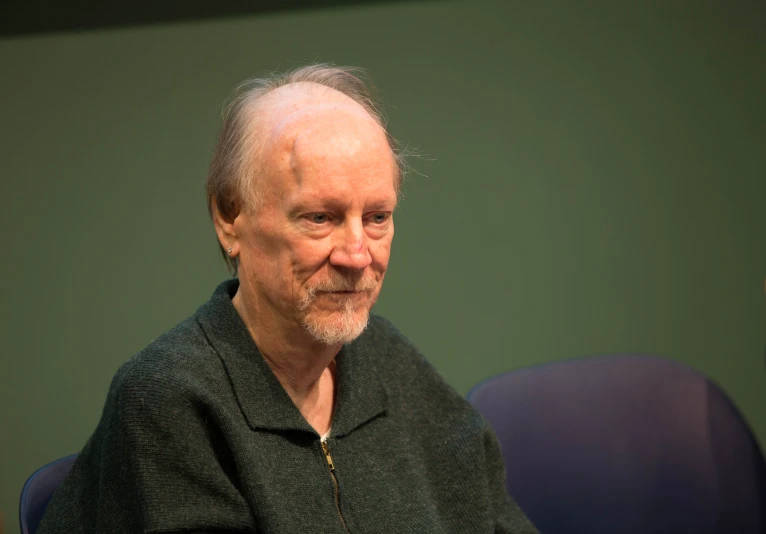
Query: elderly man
{"points": [[281, 405]]}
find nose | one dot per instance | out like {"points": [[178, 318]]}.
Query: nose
{"points": [[351, 249]]}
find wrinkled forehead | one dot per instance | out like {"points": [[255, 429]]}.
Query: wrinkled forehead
{"points": [[302, 128]]}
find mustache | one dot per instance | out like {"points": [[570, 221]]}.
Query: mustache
{"points": [[336, 283], [344, 284]]}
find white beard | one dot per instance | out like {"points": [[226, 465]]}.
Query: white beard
{"points": [[347, 321], [341, 327]]}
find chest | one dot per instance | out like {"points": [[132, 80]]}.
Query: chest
{"points": [[374, 480]]}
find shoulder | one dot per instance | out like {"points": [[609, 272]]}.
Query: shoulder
{"points": [[411, 378], [177, 365], [395, 352]]}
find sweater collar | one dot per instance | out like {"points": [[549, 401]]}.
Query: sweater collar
{"points": [[360, 393]]}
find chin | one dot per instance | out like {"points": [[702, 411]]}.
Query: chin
{"points": [[337, 328]]}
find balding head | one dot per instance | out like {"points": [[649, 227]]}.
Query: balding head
{"points": [[321, 101], [304, 127]]}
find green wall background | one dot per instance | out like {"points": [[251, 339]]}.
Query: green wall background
{"points": [[593, 181]]}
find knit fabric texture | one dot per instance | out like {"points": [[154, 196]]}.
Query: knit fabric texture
{"points": [[198, 435]]}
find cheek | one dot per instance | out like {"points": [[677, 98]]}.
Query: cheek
{"points": [[267, 255], [380, 252], [307, 256]]}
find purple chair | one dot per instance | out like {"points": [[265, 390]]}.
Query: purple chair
{"points": [[625, 444], [38, 491]]}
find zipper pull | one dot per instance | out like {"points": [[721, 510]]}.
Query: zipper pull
{"points": [[326, 451]]}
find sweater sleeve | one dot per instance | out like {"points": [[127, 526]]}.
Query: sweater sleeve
{"points": [[181, 467], [158, 462], [510, 519]]}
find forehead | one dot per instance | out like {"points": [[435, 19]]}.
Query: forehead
{"points": [[317, 140]]}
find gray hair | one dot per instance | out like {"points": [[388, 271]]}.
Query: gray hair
{"points": [[232, 182]]}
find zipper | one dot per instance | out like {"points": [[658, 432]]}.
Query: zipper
{"points": [[326, 450]]}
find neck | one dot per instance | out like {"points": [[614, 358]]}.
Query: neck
{"points": [[301, 364]]}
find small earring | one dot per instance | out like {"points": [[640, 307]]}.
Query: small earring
{"points": [[229, 251]]}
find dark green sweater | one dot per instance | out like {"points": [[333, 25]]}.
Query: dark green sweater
{"points": [[197, 435]]}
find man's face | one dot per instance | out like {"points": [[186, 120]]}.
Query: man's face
{"points": [[315, 252]]}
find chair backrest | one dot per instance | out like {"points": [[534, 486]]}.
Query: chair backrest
{"points": [[38, 490], [625, 443]]}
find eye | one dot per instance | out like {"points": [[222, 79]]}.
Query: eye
{"points": [[380, 218], [318, 218]]}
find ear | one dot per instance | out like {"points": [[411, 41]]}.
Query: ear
{"points": [[224, 228]]}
